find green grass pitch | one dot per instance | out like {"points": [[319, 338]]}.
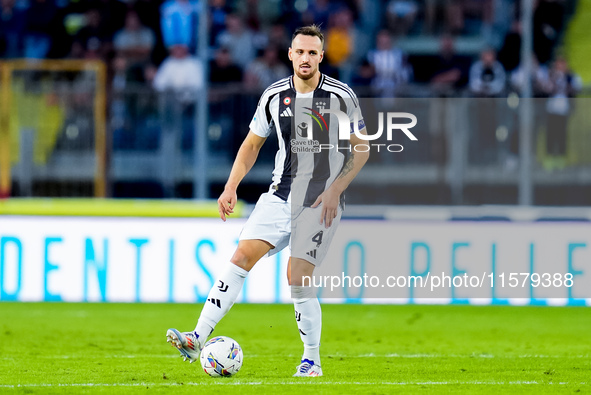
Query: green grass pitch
{"points": [[380, 349]]}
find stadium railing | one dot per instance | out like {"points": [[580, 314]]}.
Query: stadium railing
{"points": [[466, 146]]}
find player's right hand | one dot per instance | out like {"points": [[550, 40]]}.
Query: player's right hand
{"points": [[226, 203]]}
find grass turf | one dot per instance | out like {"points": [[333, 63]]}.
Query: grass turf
{"points": [[114, 348]]}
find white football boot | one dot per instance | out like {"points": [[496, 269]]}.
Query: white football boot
{"points": [[186, 342], [308, 369]]}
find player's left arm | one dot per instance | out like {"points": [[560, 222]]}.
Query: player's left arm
{"points": [[330, 198]]}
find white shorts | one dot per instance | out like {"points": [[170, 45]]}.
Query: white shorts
{"points": [[271, 221]]}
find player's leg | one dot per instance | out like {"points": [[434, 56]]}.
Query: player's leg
{"points": [[224, 293], [308, 315], [310, 241], [220, 299]]}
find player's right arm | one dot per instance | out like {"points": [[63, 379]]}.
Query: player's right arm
{"points": [[247, 155]]}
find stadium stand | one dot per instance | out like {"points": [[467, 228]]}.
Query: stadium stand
{"points": [[149, 151]]}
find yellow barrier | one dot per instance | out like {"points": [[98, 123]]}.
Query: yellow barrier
{"points": [[4, 131], [114, 208]]}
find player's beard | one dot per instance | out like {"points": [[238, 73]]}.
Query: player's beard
{"points": [[305, 76]]}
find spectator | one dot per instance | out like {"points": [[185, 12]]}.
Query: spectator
{"points": [[133, 114], [363, 76], [318, 13], [389, 63], [280, 39], [117, 104], [563, 85], [487, 80], [547, 26], [487, 76], [265, 70], [481, 12], [510, 52], [150, 72], [539, 88], [41, 21], [451, 71], [239, 41], [222, 73], [179, 21], [134, 42], [401, 15], [149, 14], [112, 14], [125, 74], [218, 11], [452, 13], [340, 42], [539, 79], [119, 81], [178, 81], [250, 15], [12, 26], [503, 17], [450, 75], [93, 41], [430, 15], [222, 69], [180, 73]]}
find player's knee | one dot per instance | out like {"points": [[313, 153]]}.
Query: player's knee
{"points": [[300, 281], [299, 273], [242, 259]]}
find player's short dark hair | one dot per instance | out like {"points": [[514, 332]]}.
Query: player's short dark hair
{"points": [[310, 30]]}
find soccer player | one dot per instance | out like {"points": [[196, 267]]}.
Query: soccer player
{"points": [[303, 206]]}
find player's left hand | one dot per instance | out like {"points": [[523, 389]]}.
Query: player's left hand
{"points": [[330, 205]]}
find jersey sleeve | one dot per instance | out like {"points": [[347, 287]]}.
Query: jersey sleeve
{"points": [[354, 113], [261, 121]]}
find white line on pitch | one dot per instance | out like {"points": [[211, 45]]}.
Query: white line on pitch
{"points": [[216, 383], [370, 355]]}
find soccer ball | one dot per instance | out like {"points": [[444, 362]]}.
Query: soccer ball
{"points": [[221, 356]]}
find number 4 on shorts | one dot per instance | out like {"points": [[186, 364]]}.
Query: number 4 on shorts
{"points": [[317, 238]]}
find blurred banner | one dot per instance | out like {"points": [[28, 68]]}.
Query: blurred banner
{"points": [[177, 260], [53, 128]]}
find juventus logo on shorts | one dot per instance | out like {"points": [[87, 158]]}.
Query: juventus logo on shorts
{"points": [[216, 302], [298, 316], [221, 287]]}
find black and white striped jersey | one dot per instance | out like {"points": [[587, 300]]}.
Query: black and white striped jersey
{"points": [[310, 154]]}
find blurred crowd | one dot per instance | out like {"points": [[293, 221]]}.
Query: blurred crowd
{"points": [[156, 42], [383, 48]]}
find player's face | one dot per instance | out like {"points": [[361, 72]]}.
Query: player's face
{"points": [[306, 54]]}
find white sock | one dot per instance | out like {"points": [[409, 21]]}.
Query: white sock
{"points": [[309, 320], [220, 299]]}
